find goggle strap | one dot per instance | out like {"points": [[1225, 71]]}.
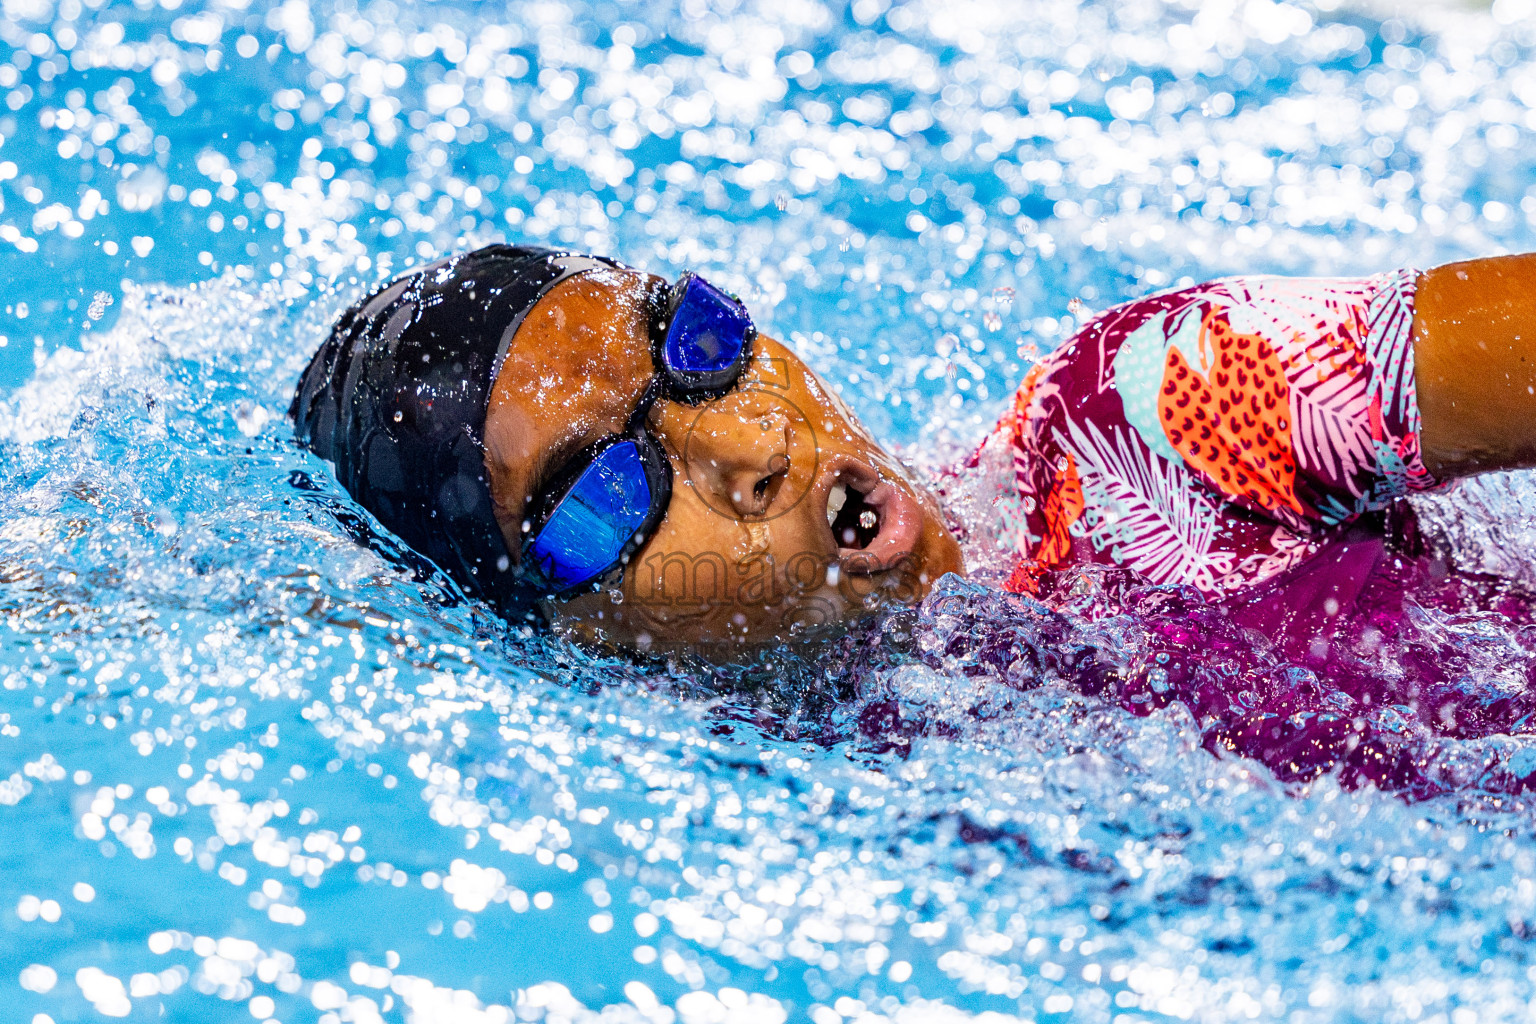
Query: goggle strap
{"points": [[648, 399], [661, 298]]}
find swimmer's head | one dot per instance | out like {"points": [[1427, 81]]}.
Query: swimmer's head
{"points": [[743, 505]]}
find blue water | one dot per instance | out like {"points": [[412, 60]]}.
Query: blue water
{"points": [[249, 770]]}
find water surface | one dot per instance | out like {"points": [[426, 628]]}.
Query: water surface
{"points": [[252, 770]]}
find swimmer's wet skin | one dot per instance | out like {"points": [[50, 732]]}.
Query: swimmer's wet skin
{"points": [[630, 460], [537, 357]]}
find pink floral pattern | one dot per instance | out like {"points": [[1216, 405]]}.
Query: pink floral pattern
{"points": [[1217, 435]]}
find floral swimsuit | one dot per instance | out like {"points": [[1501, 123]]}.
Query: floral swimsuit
{"points": [[1251, 440], [1215, 436]]}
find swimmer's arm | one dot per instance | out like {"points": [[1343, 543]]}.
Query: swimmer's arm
{"points": [[1474, 343]]}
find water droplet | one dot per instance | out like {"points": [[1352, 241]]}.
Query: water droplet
{"points": [[1003, 297], [399, 415], [616, 597], [250, 417], [992, 320]]}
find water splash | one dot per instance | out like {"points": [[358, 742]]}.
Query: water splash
{"points": [[263, 769]]}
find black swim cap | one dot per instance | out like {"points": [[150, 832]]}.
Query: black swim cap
{"points": [[396, 400]]}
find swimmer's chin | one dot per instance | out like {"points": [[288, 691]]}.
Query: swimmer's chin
{"points": [[633, 629], [713, 646]]}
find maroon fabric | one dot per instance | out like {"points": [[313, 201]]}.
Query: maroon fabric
{"points": [[1301, 618]]}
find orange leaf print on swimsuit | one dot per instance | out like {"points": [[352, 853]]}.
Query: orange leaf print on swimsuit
{"points": [[1233, 426], [1063, 506], [1025, 578], [1019, 411]]}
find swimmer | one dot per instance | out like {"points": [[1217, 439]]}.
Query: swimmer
{"points": [[628, 460]]}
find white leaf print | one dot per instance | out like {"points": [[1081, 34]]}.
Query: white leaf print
{"points": [[1153, 514], [1138, 367], [1331, 425], [1287, 550], [1389, 341]]}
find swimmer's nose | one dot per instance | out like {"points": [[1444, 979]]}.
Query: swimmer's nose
{"points": [[752, 492], [739, 465]]}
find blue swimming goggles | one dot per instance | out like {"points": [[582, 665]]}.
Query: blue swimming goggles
{"points": [[602, 504]]}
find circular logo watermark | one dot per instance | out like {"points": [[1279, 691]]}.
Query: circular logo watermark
{"points": [[756, 418]]}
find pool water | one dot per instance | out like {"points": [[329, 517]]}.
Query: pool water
{"points": [[251, 770]]}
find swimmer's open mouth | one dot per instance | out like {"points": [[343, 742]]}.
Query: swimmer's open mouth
{"points": [[853, 520], [874, 522]]}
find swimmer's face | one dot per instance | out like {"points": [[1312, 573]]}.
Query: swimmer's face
{"points": [[754, 548]]}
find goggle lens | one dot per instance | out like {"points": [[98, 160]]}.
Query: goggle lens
{"points": [[588, 530], [622, 489], [707, 338]]}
